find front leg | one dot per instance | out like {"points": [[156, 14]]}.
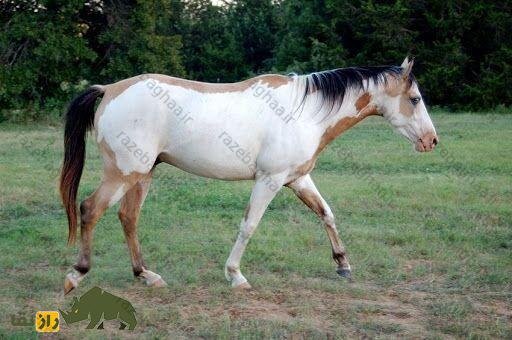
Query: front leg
{"points": [[306, 190], [264, 190]]}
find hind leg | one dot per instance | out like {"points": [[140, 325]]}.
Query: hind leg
{"points": [[129, 212], [112, 188]]}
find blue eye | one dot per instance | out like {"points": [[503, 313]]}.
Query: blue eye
{"points": [[415, 100]]}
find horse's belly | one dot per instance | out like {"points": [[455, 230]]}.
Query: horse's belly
{"points": [[207, 167], [213, 152]]}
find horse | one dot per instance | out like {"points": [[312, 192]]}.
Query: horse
{"points": [[270, 129]]}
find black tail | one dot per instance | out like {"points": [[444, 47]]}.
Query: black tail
{"points": [[79, 119]]}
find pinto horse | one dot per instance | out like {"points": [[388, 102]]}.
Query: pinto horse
{"points": [[269, 129]]}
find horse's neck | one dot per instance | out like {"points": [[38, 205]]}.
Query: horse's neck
{"points": [[332, 123]]}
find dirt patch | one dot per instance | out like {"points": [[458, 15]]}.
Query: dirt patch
{"points": [[501, 308], [492, 309], [319, 309], [262, 310], [358, 310]]}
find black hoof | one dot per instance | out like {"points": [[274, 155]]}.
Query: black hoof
{"points": [[344, 273]]}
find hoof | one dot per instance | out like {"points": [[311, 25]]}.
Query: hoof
{"points": [[243, 286], [152, 279], [158, 283], [346, 273], [72, 280], [68, 286]]}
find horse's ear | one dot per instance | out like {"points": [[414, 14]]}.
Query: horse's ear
{"points": [[407, 67], [405, 62]]}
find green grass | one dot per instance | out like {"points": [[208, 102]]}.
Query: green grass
{"points": [[429, 238]]}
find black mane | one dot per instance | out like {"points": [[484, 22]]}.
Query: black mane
{"points": [[333, 84]]}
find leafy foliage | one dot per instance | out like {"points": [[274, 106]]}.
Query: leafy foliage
{"points": [[141, 38], [49, 49]]}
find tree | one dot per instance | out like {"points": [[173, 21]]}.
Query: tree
{"points": [[254, 25], [140, 37], [307, 38], [211, 50], [50, 49], [41, 47]]}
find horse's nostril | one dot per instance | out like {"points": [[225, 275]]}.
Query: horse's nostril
{"points": [[434, 141]]}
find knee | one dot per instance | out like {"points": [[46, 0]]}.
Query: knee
{"points": [[232, 269], [246, 231], [328, 218]]}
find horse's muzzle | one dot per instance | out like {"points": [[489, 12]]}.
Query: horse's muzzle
{"points": [[427, 142]]}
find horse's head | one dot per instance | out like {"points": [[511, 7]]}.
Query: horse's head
{"points": [[400, 102]]}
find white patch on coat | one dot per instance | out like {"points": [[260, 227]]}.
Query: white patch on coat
{"points": [[117, 195]]}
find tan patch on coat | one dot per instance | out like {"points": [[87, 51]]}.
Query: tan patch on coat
{"points": [[363, 105], [400, 87], [274, 80], [111, 171], [312, 200], [406, 108], [363, 101], [394, 86]]}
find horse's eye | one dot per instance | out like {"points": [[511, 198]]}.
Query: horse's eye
{"points": [[415, 100]]}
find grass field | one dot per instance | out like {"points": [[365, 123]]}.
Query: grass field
{"points": [[429, 237]]}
